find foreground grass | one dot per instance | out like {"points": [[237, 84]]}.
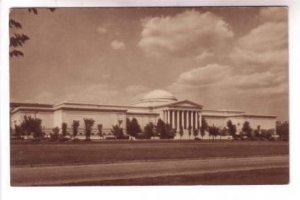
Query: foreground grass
{"points": [[251, 177], [35, 154]]}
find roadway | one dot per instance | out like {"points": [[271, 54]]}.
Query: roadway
{"points": [[57, 175]]}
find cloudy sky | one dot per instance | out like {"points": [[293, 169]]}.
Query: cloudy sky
{"points": [[223, 58]]}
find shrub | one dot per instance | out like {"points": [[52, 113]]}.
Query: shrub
{"points": [[32, 125], [88, 128], [64, 127], [75, 127]]}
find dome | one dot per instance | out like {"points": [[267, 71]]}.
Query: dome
{"points": [[159, 95], [155, 98]]}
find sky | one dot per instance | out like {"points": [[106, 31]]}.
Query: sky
{"points": [[233, 58]]}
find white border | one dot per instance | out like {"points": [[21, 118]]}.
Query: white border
{"points": [[290, 191]]}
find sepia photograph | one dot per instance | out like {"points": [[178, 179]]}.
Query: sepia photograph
{"points": [[149, 96]]}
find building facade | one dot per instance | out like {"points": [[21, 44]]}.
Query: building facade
{"points": [[158, 104]]}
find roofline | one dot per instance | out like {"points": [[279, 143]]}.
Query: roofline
{"points": [[254, 115]]}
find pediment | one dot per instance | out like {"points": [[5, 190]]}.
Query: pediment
{"points": [[186, 104]]}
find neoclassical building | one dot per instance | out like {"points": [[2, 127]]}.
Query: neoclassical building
{"points": [[154, 105]]}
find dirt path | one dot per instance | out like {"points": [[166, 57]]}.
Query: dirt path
{"points": [[56, 175]]}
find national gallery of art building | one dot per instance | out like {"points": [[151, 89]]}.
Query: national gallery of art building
{"points": [[154, 105]]}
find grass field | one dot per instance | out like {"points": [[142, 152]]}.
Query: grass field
{"points": [[35, 154], [251, 177]]}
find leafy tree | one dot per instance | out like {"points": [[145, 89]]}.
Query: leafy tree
{"points": [[181, 131], [267, 134], [195, 132], [18, 39], [64, 127], [32, 125], [247, 129], [231, 128], [213, 131], [170, 133], [160, 128], [55, 134], [190, 131], [257, 132], [117, 132], [75, 127], [18, 131], [283, 130], [88, 128], [204, 127], [100, 126], [133, 127], [149, 130]]}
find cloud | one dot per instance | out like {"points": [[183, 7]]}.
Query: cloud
{"points": [[133, 89], [266, 37], [102, 30], [274, 14], [190, 32], [258, 80], [202, 76], [117, 45]]}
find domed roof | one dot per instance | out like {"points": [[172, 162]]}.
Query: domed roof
{"points": [[155, 98], [159, 95]]}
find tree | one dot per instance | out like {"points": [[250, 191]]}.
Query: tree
{"points": [[64, 127], [283, 130], [75, 127], [247, 129], [32, 125], [18, 131], [55, 130], [100, 126], [117, 132], [204, 127], [231, 128], [161, 129], [133, 127], [181, 131], [195, 132], [149, 130], [169, 131], [88, 128], [257, 132], [213, 131], [18, 39], [190, 131]]}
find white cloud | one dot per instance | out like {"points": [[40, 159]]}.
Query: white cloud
{"points": [[184, 34], [102, 30], [266, 37], [274, 14], [117, 45], [202, 76]]}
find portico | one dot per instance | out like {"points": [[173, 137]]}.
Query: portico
{"points": [[182, 117]]}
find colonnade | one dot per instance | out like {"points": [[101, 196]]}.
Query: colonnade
{"points": [[183, 118]]}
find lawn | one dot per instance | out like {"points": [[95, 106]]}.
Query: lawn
{"points": [[251, 177], [35, 154]]}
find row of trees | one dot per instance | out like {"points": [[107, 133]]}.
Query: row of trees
{"points": [[161, 129]]}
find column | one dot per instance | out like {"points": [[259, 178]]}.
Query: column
{"points": [[182, 119], [170, 119], [192, 119], [200, 119], [197, 119], [178, 120], [187, 119], [173, 119], [166, 115]]}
